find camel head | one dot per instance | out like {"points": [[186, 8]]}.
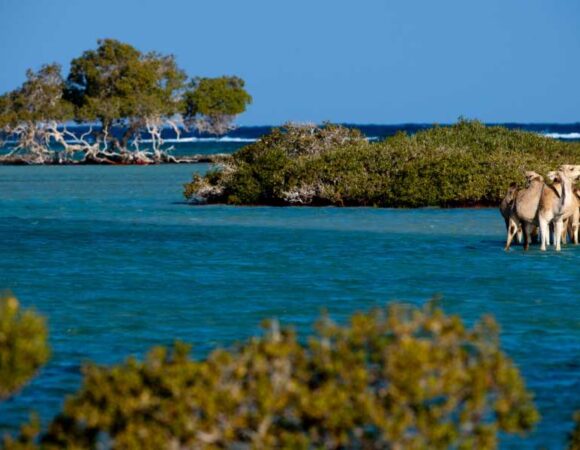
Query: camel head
{"points": [[570, 171], [511, 192], [533, 176], [553, 176]]}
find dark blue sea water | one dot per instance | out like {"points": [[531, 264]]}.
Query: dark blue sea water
{"points": [[117, 264]]}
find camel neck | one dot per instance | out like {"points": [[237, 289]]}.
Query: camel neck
{"points": [[566, 184]]}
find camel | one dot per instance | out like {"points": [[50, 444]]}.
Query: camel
{"points": [[557, 204], [570, 224], [506, 206], [524, 211], [556, 186], [573, 225]]}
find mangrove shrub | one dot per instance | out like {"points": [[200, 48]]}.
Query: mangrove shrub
{"points": [[392, 378], [400, 377], [23, 345], [575, 435], [460, 165]]}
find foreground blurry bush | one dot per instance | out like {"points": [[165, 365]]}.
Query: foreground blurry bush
{"points": [[395, 378], [23, 345], [461, 165], [575, 436]]}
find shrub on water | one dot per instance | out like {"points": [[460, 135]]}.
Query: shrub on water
{"points": [[575, 435], [23, 346], [464, 164], [399, 377]]}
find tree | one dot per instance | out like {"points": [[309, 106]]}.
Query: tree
{"points": [[211, 104], [120, 88], [118, 85], [30, 112]]}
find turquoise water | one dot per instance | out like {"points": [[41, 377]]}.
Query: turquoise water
{"points": [[117, 263]]}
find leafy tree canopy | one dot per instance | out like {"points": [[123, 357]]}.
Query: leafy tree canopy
{"points": [[116, 81], [39, 99], [117, 86], [212, 103]]}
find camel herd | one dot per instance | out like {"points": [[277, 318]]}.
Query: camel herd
{"points": [[552, 209]]}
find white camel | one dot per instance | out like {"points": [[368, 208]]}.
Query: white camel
{"points": [[573, 226], [570, 224], [557, 205]]}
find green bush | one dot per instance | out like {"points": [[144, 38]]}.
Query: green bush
{"points": [[396, 378], [574, 443], [460, 165], [23, 346], [400, 377]]}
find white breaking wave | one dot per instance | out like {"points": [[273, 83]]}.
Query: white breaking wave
{"points": [[574, 135], [169, 140], [198, 139], [563, 135]]}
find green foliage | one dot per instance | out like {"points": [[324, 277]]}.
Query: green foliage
{"points": [[39, 99], [396, 378], [115, 85], [6, 112], [574, 442], [460, 165], [212, 103], [116, 81], [23, 345], [296, 140]]}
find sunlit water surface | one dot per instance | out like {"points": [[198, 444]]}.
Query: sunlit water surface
{"points": [[117, 263]]}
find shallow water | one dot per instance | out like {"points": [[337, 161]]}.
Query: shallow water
{"points": [[118, 264]]}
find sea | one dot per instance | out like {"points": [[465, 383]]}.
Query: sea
{"points": [[117, 262]]}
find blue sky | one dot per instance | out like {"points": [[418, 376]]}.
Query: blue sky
{"points": [[370, 61]]}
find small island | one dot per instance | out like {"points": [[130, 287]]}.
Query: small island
{"points": [[125, 98], [467, 164]]}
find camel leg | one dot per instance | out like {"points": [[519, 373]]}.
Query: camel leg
{"points": [[564, 233], [572, 230], [558, 226], [519, 232], [544, 234], [512, 231], [535, 237], [527, 235], [520, 235]]}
